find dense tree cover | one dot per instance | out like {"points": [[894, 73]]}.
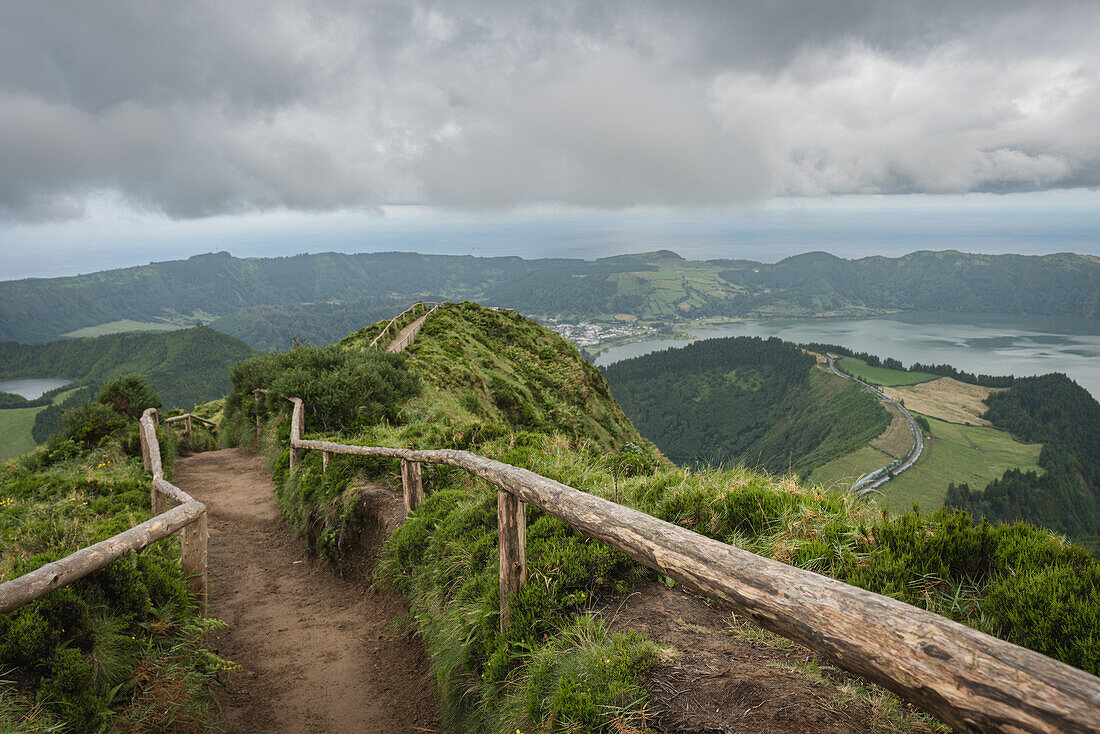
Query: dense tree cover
{"points": [[186, 367], [47, 422], [341, 390], [650, 285], [719, 401], [1057, 412], [1064, 284]]}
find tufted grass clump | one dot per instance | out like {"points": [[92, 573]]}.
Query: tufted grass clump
{"points": [[86, 657]]}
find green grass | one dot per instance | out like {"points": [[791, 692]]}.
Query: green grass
{"points": [[843, 471], [15, 431], [119, 650], [881, 375], [15, 428], [122, 325], [973, 454]]}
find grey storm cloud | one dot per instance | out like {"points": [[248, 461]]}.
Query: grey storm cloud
{"points": [[203, 108]]}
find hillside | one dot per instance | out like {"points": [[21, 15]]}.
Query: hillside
{"points": [[745, 400], [498, 384], [186, 366], [1065, 495], [270, 300]]}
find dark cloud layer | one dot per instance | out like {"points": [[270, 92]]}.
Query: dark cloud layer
{"points": [[202, 108]]}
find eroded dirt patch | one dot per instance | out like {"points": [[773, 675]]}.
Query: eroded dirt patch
{"points": [[320, 653], [731, 677]]}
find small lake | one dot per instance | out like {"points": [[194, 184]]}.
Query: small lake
{"points": [[992, 344], [33, 387]]}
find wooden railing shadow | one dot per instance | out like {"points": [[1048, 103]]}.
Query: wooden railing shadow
{"points": [[970, 680], [188, 519]]}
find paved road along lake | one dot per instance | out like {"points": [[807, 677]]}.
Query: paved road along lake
{"points": [[992, 344]]}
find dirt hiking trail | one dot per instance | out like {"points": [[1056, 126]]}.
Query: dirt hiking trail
{"points": [[395, 344], [320, 653]]}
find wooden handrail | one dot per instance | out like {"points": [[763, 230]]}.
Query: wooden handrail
{"points": [[411, 309], [188, 519], [970, 680]]}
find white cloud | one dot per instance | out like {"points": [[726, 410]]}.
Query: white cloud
{"points": [[203, 108]]}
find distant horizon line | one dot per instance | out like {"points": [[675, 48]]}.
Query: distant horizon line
{"points": [[214, 253]]}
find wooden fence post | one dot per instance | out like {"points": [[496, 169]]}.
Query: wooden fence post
{"points": [[157, 500], [193, 542], [412, 485], [325, 455], [146, 459], [512, 531], [188, 425]]}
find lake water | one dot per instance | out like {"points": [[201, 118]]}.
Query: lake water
{"points": [[34, 387], [992, 344]]}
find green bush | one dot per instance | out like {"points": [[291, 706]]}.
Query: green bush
{"points": [[129, 395], [90, 424], [342, 390]]}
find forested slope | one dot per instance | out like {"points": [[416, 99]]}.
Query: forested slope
{"points": [[744, 399], [652, 286], [1057, 412], [185, 367]]}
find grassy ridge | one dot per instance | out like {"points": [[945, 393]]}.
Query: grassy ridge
{"points": [[556, 669]]}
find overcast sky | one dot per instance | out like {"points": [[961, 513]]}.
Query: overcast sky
{"points": [[169, 111]]}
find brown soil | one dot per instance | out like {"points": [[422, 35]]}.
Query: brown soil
{"points": [[319, 653], [727, 675]]}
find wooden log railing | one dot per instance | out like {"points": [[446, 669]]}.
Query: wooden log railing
{"points": [[188, 519], [426, 306], [970, 680], [187, 418]]}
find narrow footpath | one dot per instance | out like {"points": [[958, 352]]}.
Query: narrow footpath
{"points": [[398, 343], [319, 653]]}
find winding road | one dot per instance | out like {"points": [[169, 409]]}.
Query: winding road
{"points": [[872, 481]]}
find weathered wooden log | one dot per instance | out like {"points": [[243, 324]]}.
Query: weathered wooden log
{"points": [[512, 537], [146, 458], [325, 456], [171, 491], [148, 426], [37, 583], [970, 680], [194, 539], [411, 485], [296, 421]]}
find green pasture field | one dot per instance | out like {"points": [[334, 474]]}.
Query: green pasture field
{"points": [[973, 454], [15, 429], [122, 325], [881, 375]]}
